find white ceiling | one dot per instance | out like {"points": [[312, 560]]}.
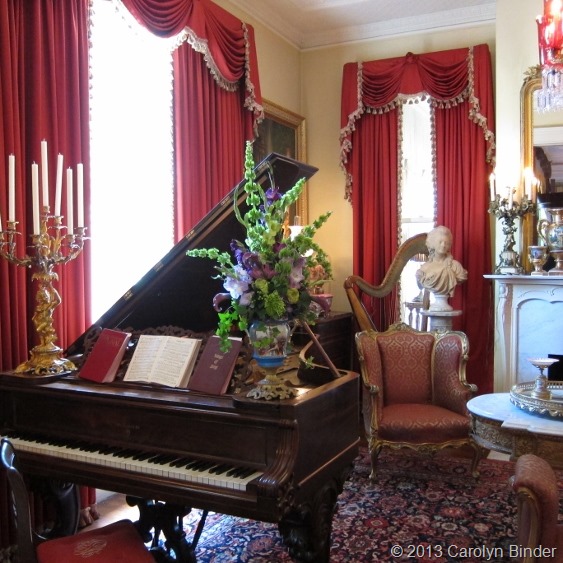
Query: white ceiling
{"points": [[309, 24]]}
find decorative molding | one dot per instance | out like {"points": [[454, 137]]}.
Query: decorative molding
{"points": [[324, 33]]}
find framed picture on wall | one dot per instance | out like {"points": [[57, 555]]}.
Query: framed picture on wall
{"points": [[283, 131]]}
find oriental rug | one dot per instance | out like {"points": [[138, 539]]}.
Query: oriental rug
{"points": [[421, 509]]}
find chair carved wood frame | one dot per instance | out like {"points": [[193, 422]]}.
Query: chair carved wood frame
{"points": [[414, 391], [537, 491]]}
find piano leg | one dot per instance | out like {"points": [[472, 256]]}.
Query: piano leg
{"points": [[159, 517], [307, 528]]}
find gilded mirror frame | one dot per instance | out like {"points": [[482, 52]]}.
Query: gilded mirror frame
{"points": [[532, 82], [279, 124]]}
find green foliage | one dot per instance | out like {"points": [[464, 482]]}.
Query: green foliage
{"points": [[267, 276]]}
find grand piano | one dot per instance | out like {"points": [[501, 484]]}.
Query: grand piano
{"points": [[173, 450]]}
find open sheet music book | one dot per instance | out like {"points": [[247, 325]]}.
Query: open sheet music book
{"points": [[165, 360]]}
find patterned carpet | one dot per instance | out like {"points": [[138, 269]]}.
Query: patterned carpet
{"points": [[432, 508]]}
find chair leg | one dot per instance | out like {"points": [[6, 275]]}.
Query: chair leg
{"points": [[374, 454]]}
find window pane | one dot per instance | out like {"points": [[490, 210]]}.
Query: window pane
{"points": [[418, 196], [131, 154]]}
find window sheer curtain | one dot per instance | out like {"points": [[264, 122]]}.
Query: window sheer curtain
{"points": [[217, 100], [43, 95], [459, 83]]}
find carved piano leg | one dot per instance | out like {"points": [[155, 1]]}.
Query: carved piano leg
{"points": [[306, 530], [159, 517]]}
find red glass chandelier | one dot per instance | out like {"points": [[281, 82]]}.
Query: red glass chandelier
{"points": [[550, 42]]}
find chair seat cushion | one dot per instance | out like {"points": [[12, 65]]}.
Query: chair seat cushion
{"points": [[117, 542], [422, 423]]}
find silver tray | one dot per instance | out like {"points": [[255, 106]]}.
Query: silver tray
{"points": [[521, 396]]}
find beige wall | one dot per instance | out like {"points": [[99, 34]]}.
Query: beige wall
{"points": [[309, 83]]}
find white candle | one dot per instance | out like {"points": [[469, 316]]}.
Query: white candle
{"points": [[510, 197], [492, 186], [69, 202], [80, 194], [35, 196], [11, 188], [59, 185], [45, 173]]}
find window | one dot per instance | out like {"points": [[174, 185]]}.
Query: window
{"points": [[131, 153], [417, 192]]}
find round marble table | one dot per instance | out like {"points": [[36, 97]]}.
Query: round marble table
{"points": [[497, 424]]}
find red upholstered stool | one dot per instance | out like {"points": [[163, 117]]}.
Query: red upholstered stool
{"points": [[119, 542]]}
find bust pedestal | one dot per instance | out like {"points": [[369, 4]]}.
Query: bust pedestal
{"points": [[440, 320]]}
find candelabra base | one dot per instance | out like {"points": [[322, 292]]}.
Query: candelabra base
{"points": [[46, 361], [509, 263]]}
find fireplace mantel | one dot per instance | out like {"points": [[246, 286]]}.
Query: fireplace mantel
{"points": [[528, 324]]}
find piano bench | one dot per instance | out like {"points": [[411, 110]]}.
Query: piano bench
{"points": [[119, 541]]}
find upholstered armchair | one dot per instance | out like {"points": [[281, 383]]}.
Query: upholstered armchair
{"points": [[540, 537], [414, 390]]}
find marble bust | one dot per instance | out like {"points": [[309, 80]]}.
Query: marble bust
{"points": [[441, 273]]}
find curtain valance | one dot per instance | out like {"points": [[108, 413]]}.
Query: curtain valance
{"points": [[447, 77], [226, 43]]}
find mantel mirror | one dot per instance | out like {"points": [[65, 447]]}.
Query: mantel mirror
{"points": [[541, 150]]}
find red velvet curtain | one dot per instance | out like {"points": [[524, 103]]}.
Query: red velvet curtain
{"points": [[459, 83], [43, 96], [217, 101]]}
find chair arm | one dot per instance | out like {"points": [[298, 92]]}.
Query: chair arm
{"points": [[456, 400]]}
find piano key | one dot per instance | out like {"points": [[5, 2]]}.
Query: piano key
{"points": [[166, 465]]}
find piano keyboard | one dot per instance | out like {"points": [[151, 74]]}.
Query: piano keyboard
{"points": [[164, 465]]}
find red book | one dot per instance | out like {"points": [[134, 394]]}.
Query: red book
{"points": [[103, 361], [214, 368]]}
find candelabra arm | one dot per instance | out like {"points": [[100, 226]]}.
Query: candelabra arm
{"points": [[8, 246]]}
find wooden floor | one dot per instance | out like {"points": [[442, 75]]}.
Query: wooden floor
{"points": [[112, 507]]}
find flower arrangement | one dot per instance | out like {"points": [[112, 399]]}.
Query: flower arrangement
{"points": [[267, 277]]}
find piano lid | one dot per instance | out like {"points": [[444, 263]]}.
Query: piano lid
{"points": [[179, 289]]}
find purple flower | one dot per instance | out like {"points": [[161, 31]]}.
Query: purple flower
{"points": [[253, 265], [246, 298], [272, 195], [238, 250], [237, 285], [268, 271], [296, 276]]}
